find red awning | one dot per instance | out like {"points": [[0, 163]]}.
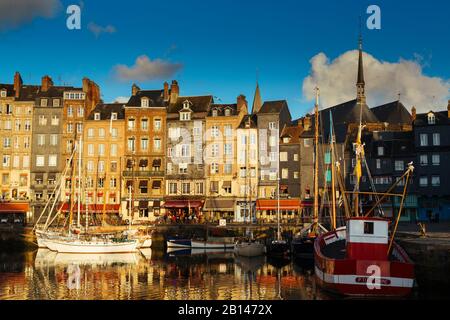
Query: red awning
{"points": [[304, 204], [14, 207], [183, 204], [285, 204]]}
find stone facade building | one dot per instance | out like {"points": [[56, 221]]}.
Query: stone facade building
{"points": [[145, 153]]}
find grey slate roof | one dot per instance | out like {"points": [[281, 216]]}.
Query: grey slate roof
{"points": [[106, 109], [245, 120], [393, 113], [198, 104], [273, 106], [156, 98], [441, 118], [221, 109]]}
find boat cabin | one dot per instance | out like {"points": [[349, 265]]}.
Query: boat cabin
{"points": [[367, 238]]}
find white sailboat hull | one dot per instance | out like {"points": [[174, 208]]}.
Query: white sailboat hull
{"points": [[250, 249], [144, 243], [80, 246]]}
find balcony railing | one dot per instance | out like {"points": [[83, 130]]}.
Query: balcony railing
{"points": [[130, 174]]}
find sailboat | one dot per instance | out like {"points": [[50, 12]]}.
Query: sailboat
{"points": [[279, 247], [75, 242], [303, 242], [249, 247]]}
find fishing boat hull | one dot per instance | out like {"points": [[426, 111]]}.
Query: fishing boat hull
{"points": [[360, 277], [80, 246], [249, 249], [178, 243]]}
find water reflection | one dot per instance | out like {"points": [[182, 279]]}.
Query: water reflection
{"points": [[153, 274]]}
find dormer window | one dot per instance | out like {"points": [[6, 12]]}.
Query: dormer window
{"points": [[215, 113], [114, 116], [144, 102], [97, 116], [186, 104], [44, 102], [185, 116], [431, 118], [227, 112], [3, 93], [56, 102], [286, 139]]}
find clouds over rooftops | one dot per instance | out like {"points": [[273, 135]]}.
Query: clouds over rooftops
{"points": [[146, 69], [98, 30], [13, 13], [384, 81]]}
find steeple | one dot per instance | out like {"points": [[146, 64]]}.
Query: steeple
{"points": [[257, 101], [360, 83]]}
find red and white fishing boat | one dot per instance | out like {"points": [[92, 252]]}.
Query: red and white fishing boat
{"points": [[355, 260]]}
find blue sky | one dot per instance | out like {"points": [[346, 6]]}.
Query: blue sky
{"points": [[221, 44]]}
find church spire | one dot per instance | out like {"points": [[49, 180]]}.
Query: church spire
{"points": [[257, 101], [360, 83]]}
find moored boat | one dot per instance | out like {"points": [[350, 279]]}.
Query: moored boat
{"points": [[178, 243], [355, 260], [213, 243], [249, 248], [92, 246]]}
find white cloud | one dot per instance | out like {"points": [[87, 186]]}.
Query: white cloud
{"points": [[98, 30], [384, 80], [145, 69], [121, 99], [15, 12]]}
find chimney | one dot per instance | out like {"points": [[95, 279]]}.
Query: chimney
{"points": [[166, 91], [134, 89], [413, 113], [307, 122], [448, 108], [46, 83], [93, 95], [17, 84], [174, 91], [241, 102]]}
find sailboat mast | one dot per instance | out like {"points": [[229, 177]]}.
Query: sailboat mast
{"points": [[316, 160], [333, 177], [278, 184], [79, 181]]}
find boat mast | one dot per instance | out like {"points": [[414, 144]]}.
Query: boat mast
{"points": [[333, 176], [72, 185], [316, 163], [129, 206], [79, 182], [278, 184]]}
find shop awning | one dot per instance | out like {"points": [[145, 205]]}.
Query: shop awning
{"points": [[14, 207], [285, 204], [219, 205], [183, 204], [306, 204]]}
